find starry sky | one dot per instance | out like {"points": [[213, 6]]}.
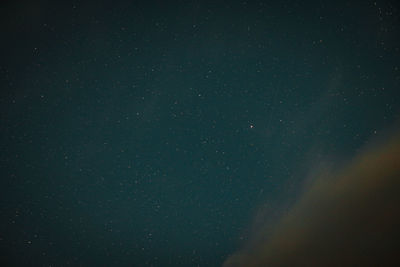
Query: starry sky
{"points": [[151, 133]]}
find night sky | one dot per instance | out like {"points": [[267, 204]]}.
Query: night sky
{"points": [[153, 133]]}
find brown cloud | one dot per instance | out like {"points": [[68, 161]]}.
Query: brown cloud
{"points": [[348, 219]]}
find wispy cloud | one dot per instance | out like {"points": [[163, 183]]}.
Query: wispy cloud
{"points": [[350, 217]]}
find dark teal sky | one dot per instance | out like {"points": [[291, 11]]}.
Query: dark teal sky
{"points": [[149, 134]]}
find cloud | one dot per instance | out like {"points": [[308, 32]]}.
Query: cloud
{"points": [[350, 218]]}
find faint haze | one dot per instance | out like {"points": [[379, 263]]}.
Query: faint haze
{"points": [[349, 217]]}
